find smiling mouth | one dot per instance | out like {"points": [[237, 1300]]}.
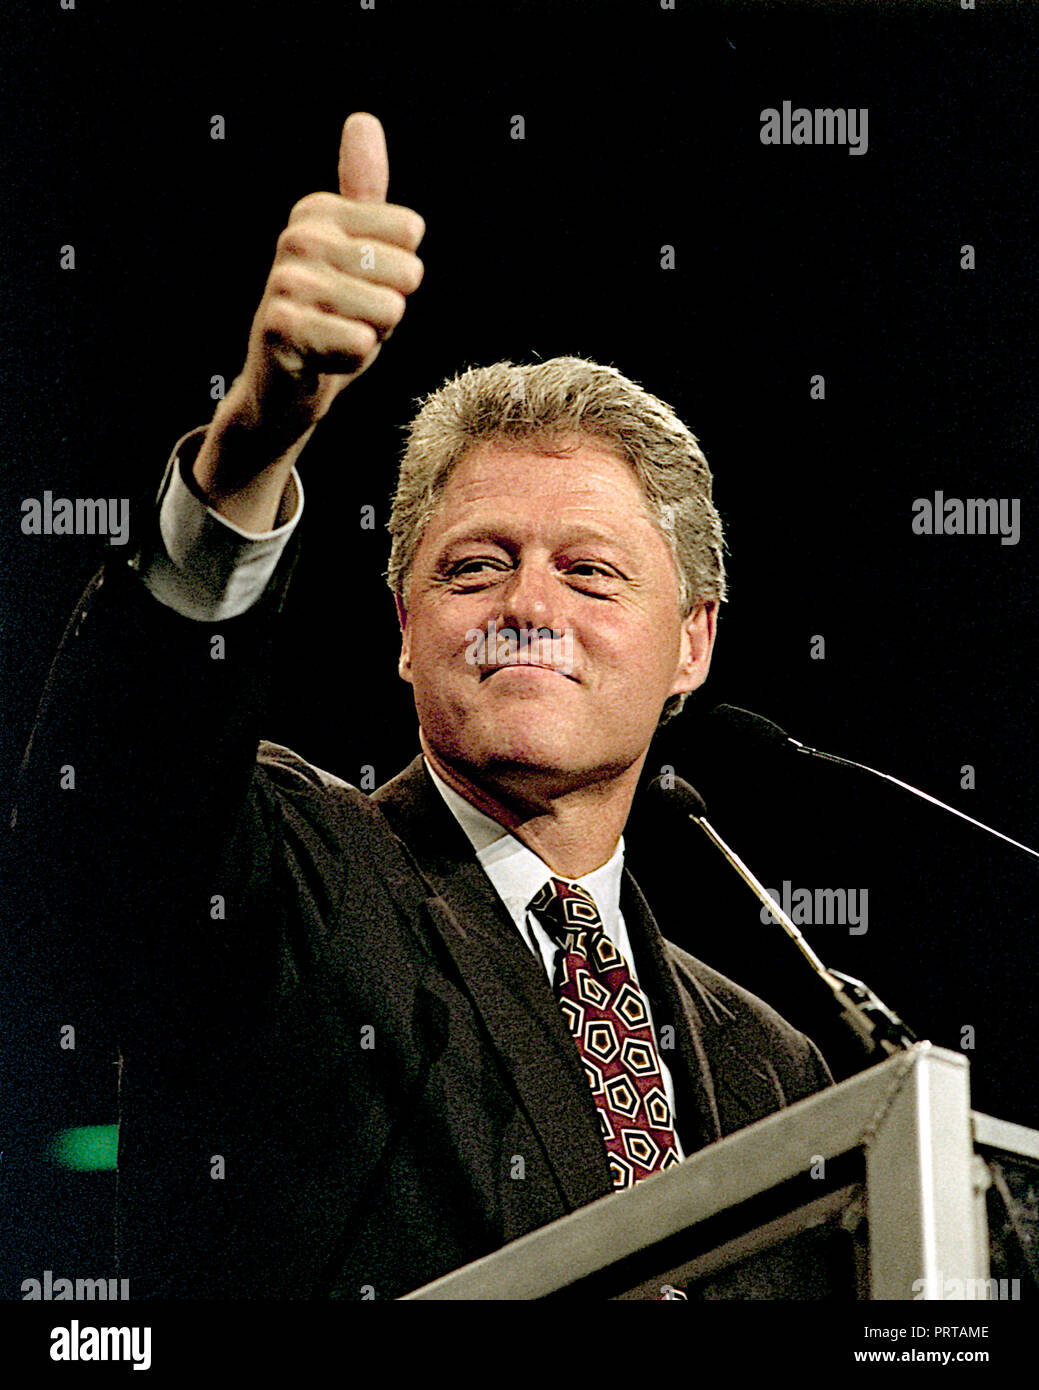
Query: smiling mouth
{"points": [[524, 666]]}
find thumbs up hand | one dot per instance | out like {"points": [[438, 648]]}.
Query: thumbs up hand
{"points": [[337, 289]]}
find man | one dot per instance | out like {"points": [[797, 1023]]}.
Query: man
{"points": [[364, 1041]]}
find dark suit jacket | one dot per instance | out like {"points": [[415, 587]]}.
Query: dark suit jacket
{"points": [[343, 1072]]}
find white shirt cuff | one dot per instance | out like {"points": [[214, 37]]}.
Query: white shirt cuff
{"points": [[209, 568]]}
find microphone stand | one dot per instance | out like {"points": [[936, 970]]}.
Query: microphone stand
{"points": [[875, 1025]]}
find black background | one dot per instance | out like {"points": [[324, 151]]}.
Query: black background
{"points": [[642, 130]]}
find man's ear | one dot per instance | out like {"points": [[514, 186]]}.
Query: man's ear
{"points": [[404, 663], [697, 646]]}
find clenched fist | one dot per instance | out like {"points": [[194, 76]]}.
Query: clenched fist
{"points": [[344, 266]]}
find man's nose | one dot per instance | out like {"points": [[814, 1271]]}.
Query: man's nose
{"points": [[530, 598]]}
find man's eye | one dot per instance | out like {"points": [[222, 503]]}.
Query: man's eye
{"points": [[591, 569], [476, 566]]}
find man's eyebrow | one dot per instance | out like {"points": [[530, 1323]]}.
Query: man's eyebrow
{"points": [[576, 534], [477, 534]]}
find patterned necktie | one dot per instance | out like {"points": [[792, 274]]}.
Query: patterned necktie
{"points": [[608, 1016]]}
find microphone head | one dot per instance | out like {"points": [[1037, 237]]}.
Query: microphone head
{"points": [[679, 795], [752, 725]]}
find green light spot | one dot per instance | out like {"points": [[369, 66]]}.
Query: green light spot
{"points": [[89, 1149]]}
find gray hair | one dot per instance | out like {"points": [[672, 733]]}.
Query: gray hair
{"points": [[543, 402]]}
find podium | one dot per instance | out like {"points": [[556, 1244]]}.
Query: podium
{"points": [[886, 1186]]}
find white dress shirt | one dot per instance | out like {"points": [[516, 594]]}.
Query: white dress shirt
{"points": [[210, 569]]}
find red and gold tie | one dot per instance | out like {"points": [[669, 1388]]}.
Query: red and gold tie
{"points": [[608, 1017]]}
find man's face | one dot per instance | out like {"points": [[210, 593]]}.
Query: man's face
{"points": [[524, 541]]}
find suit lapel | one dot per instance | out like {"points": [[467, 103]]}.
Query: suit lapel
{"points": [[695, 1103], [504, 982], [729, 1083]]}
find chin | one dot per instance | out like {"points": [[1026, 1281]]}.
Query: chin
{"points": [[522, 743], [534, 754], [523, 738]]}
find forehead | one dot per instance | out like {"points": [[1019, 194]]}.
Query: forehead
{"points": [[567, 476]]}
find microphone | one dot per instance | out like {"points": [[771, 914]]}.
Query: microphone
{"points": [[764, 732], [873, 1023]]}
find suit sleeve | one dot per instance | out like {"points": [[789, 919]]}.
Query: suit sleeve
{"points": [[136, 832], [817, 1074]]}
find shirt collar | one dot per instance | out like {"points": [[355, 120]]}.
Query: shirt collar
{"points": [[516, 871]]}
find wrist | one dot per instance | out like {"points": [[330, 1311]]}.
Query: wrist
{"points": [[244, 465]]}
